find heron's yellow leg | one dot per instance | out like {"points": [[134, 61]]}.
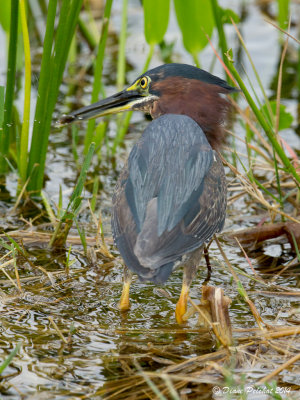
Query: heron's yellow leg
{"points": [[189, 273], [181, 305], [124, 303]]}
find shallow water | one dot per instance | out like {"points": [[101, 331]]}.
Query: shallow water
{"points": [[99, 342]]}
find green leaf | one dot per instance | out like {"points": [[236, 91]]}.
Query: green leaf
{"points": [[285, 118], [55, 53], [5, 14], [156, 19], [7, 133], [76, 204], [264, 124], [283, 13], [80, 183], [227, 14], [195, 19], [9, 358], [2, 89], [82, 236], [68, 216]]}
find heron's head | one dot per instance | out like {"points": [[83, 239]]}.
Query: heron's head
{"points": [[167, 89]]}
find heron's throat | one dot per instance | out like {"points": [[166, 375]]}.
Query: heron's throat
{"points": [[203, 102], [145, 103]]}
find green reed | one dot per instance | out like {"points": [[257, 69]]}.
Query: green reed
{"points": [[55, 53], [283, 13], [195, 28], [27, 92], [69, 215], [98, 69], [10, 357], [7, 126], [265, 125], [57, 41]]}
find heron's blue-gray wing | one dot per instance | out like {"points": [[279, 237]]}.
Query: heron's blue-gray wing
{"points": [[158, 215], [168, 163]]}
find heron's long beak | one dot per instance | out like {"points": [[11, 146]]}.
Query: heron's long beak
{"points": [[122, 101]]}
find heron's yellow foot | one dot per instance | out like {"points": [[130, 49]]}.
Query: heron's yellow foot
{"points": [[181, 305], [124, 304]]}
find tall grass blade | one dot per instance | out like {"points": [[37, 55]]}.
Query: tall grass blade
{"points": [[75, 142], [52, 76], [122, 122], [27, 90], [82, 177], [82, 236], [149, 57], [98, 72], [40, 110], [219, 24], [6, 131], [59, 238], [9, 358], [265, 125], [253, 180], [60, 203], [2, 94], [87, 33], [95, 191], [283, 13], [48, 209], [149, 382], [122, 43], [268, 108]]}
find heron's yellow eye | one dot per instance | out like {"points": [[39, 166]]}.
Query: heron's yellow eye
{"points": [[144, 82]]}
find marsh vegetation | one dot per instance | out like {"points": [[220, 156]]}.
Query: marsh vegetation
{"points": [[61, 333]]}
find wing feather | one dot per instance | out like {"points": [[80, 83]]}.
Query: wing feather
{"points": [[171, 198]]}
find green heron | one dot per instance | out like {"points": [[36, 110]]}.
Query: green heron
{"points": [[171, 195]]}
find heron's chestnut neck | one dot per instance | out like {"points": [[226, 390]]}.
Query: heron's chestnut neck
{"points": [[201, 101]]}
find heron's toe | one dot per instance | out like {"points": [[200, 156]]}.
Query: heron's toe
{"points": [[124, 304], [180, 310]]}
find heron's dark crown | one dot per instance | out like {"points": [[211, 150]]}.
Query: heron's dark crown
{"points": [[162, 72]]}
